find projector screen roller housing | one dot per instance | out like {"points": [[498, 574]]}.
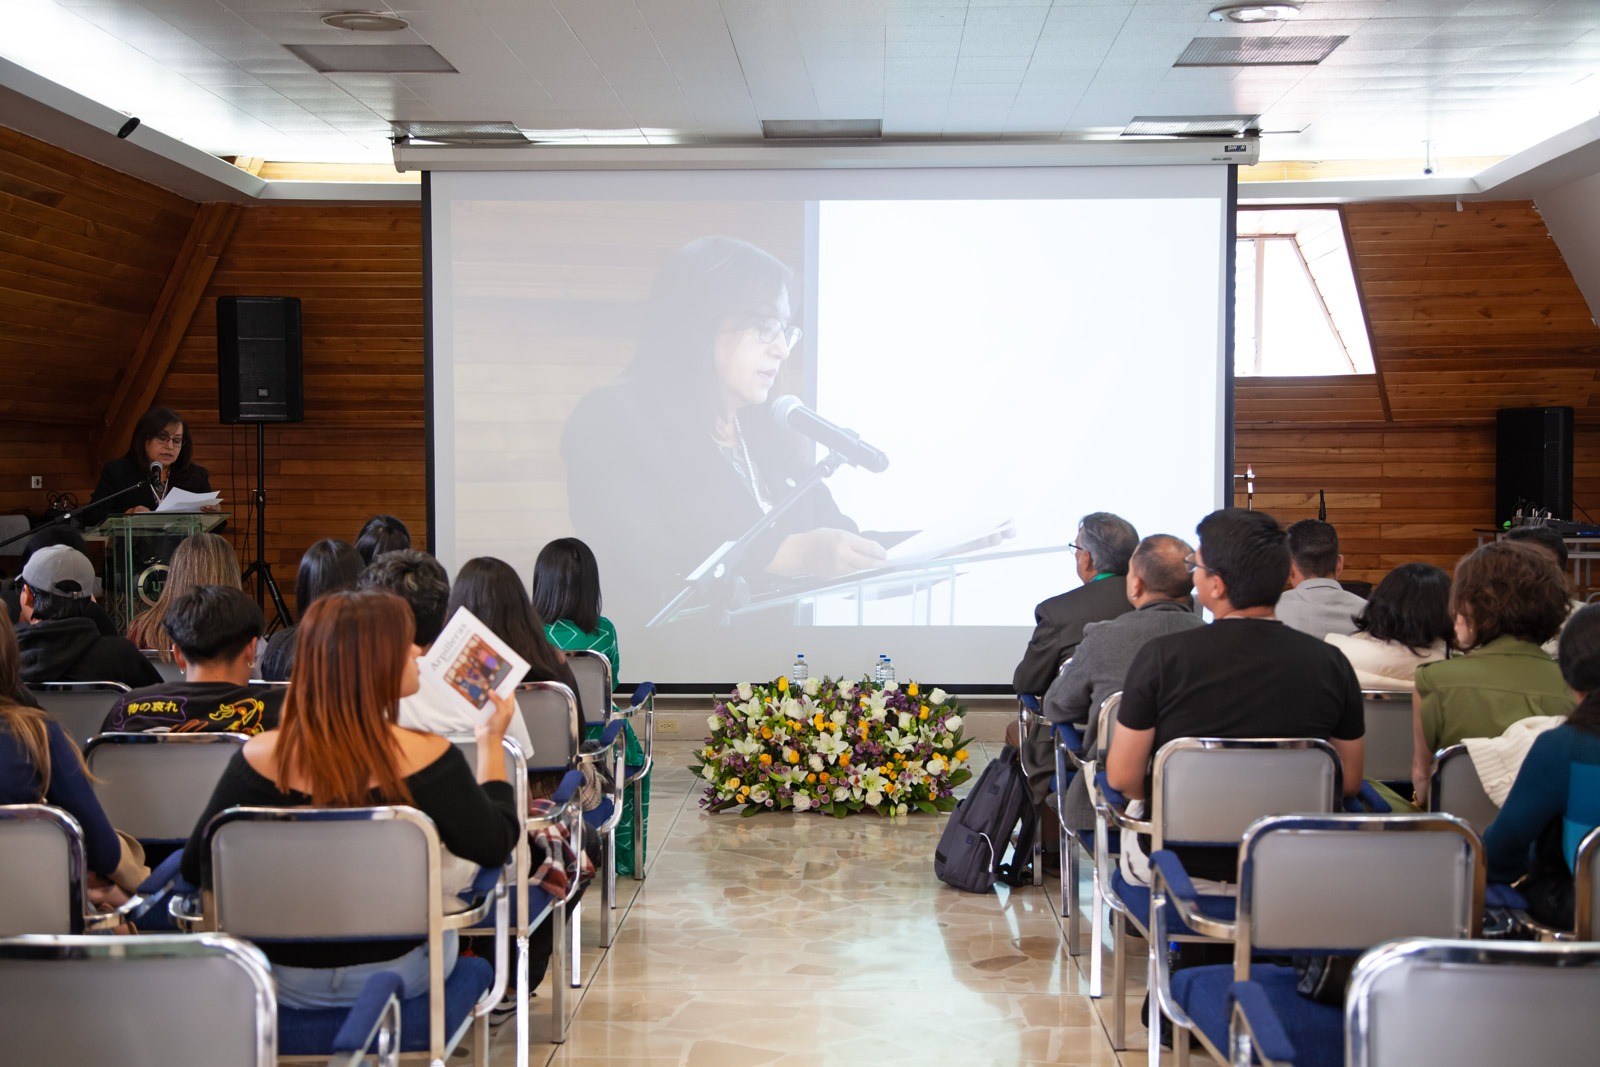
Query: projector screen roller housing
{"points": [[1023, 345]]}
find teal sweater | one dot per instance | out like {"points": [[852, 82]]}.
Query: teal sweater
{"points": [[1560, 778]]}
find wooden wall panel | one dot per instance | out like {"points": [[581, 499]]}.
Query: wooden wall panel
{"points": [[84, 252], [358, 273]]}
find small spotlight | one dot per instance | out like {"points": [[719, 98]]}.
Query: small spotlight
{"points": [[128, 127], [1256, 12]]}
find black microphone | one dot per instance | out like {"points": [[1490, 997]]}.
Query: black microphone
{"points": [[791, 413], [155, 477], [1322, 506]]}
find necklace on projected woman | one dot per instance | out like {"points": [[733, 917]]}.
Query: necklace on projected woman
{"points": [[749, 470]]}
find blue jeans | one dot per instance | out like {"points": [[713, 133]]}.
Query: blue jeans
{"points": [[338, 987]]}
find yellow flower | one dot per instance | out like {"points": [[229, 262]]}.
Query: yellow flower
{"points": [[766, 758], [817, 720], [890, 787], [923, 714], [824, 777], [811, 777], [766, 733], [844, 759], [911, 690], [734, 783], [783, 685], [791, 755], [962, 754]]}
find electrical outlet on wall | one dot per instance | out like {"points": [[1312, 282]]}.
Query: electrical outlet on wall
{"points": [[36, 482], [666, 725]]}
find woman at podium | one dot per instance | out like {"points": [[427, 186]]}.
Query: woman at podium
{"points": [[158, 459], [682, 453]]}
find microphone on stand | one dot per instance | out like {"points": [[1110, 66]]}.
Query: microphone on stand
{"points": [[792, 414], [1322, 507], [155, 478]]}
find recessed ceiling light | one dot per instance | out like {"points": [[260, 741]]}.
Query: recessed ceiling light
{"points": [[364, 20], [1251, 12]]}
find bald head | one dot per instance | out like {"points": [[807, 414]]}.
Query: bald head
{"points": [[1157, 571]]}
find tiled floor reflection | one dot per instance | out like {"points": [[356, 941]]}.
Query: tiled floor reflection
{"points": [[796, 940]]}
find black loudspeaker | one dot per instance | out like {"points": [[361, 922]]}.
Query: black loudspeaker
{"points": [[1533, 461], [258, 359]]}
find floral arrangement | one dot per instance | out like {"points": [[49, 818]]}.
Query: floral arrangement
{"points": [[833, 746]]}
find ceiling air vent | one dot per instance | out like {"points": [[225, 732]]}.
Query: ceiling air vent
{"points": [[1276, 51], [372, 58], [822, 129], [479, 133], [1191, 125]]}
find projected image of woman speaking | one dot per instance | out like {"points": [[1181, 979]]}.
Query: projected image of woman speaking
{"points": [[681, 453]]}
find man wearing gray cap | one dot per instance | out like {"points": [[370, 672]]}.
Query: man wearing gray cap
{"points": [[61, 643]]}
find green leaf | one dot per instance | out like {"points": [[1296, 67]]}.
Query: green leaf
{"points": [[927, 806], [751, 809], [946, 803], [957, 777]]}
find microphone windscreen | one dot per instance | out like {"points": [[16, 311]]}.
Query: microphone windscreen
{"points": [[785, 406]]}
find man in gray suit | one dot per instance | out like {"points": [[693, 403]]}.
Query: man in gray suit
{"points": [[1317, 604], [1158, 588]]}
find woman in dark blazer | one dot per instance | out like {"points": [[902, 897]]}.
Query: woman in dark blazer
{"points": [[160, 437], [682, 453]]}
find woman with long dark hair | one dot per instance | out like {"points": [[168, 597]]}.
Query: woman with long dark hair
{"points": [[685, 438], [566, 594], [159, 457], [1555, 800], [1405, 624], [491, 590], [327, 566], [339, 745]]}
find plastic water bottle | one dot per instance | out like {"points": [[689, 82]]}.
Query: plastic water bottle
{"points": [[888, 672], [799, 672], [878, 671]]}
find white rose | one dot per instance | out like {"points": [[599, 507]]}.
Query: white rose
{"points": [[937, 697], [874, 798], [712, 722], [892, 687], [812, 686], [953, 723], [745, 690], [847, 689], [842, 793], [759, 794], [802, 802], [901, 809], [709, 773], [935, 767], [816, 762], [837, 718]]}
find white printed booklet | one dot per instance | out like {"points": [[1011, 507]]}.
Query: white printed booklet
{"points": [[468, 663]]}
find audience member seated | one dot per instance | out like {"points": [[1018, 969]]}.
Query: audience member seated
{"points": [[382, 533], [1159, 588], [1555, 800], [61, 643], [1317, 605], [421, 581], [327, 566], [1101, 551], [1552, 542], [216, 629], [1405, 624], [1246, 675], [566, 593], [1507, 600], [58, 534], [200, 559], [339, 746], [39, 764]]}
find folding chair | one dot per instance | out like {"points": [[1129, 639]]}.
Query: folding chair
{"points": [[1069, 753], [79, 707], [592, 670], [1029, 716], [1309, 885], [1473, 1004], [353, 874], [154, 787], [43, 887], [1456, 789], [1585, 894], [1390, 740], [531, 906], [1207, 792]]}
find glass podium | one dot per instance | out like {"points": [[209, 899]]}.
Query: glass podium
{"points": [[138, 548]]}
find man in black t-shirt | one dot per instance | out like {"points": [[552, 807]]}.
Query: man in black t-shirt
{"points": [[215, 629], [1245, 676]]}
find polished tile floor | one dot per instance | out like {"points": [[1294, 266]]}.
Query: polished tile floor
{"points": [[792, 940]]}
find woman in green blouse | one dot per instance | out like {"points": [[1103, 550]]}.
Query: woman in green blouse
{"points": [[1508, 599]]}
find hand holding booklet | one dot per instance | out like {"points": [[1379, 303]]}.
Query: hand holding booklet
{"points": [[468, 663]]}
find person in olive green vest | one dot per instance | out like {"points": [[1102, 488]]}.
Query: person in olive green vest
{"points": [[1507, 600]]}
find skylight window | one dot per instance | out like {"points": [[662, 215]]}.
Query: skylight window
{"points": [[1296, 310]]}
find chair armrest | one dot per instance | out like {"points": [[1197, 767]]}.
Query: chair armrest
{"points": [[1498, 895], [1368, 801], [1166, 872], [643, 693], [1116, 806], [1068, 737], [486, 888], [377, 1009], [1250, 1015], [607, 738]]}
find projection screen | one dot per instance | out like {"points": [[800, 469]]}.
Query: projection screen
{"points": [[1023, 345]]}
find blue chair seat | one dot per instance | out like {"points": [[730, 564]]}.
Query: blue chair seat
{"points": [[1318, 1029], [600, 814], [310, 1031], [1137, 897], [538, 901]]}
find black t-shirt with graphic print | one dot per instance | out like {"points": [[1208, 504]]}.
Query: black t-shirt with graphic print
{"points": [[187, 707]]}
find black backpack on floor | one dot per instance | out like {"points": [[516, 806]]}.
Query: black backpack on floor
{"points": [[975, 839]]}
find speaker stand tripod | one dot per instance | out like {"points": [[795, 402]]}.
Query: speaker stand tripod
{"points": [[260, 569]]}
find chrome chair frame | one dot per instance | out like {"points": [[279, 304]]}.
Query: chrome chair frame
{"points": [[1154, 827], [70, 718], [1455, 789], [1585, 873], [213, 918], [1379, 761], [1406, 954], [644, 699], [1029, 716], [1242, 1041], [79, 919], [116, 951], [107, 789]]}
